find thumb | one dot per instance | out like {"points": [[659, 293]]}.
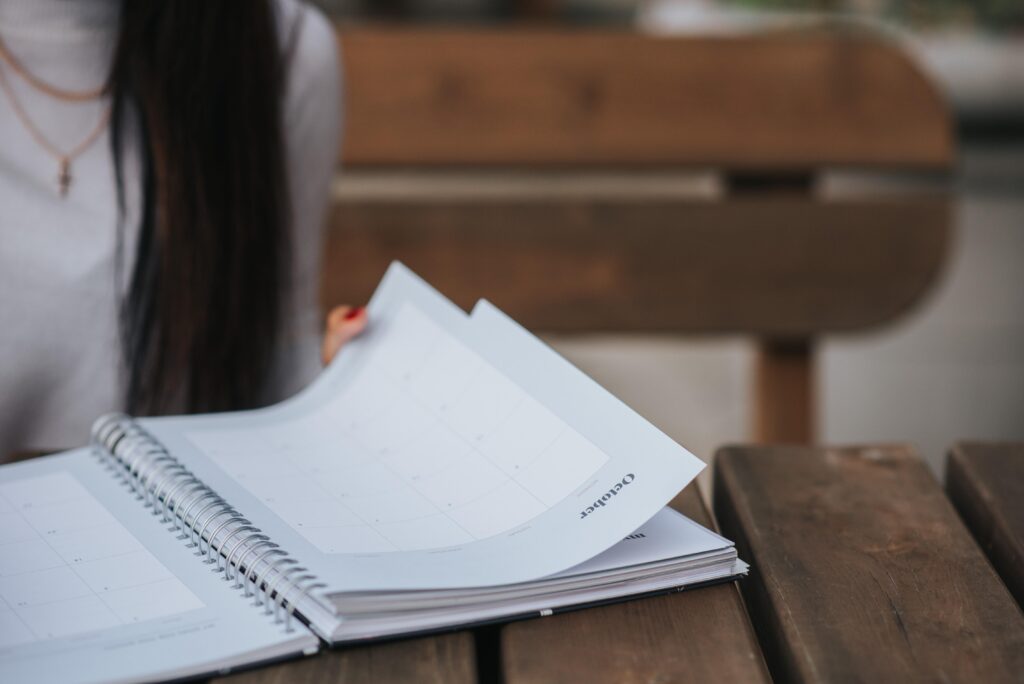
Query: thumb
{"points": [[343, 323]]}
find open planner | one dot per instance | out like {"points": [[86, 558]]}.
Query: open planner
{"points": [[445, 470]]}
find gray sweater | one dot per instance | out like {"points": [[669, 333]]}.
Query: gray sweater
{"points": [[60, 360]]}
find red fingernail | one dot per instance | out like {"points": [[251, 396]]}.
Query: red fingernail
{"points": [[353, 313]]}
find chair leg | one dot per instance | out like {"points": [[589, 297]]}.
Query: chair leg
{"points": [[784, 392]]}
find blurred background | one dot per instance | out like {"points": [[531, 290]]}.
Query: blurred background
{"points": [[895, 312]]}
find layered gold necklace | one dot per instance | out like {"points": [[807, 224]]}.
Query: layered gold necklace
{"points": [[64, 157]]}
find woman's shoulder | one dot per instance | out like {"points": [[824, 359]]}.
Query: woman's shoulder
{"points": [[310, 46]]}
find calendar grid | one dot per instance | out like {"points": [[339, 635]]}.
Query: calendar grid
{"points": [[75, 577], [428, 447]]}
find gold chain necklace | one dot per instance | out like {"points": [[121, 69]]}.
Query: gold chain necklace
{"points": [[63, 157], [42, 86]]}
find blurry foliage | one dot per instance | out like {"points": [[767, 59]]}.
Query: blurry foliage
{"points": [[990, 15], [999, 15]]}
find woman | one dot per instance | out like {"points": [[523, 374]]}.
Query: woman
{"points": [[164, 171]]}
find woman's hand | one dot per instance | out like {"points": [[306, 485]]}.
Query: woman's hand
{"points": [[343, 323]]}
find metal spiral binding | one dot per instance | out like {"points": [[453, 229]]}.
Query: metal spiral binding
{"points": [[239, 550]]}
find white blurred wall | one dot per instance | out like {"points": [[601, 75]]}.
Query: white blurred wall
{"points": [[953, 369]]}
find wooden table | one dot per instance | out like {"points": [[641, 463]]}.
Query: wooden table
{"points": [[862, 571], [985, 481]]}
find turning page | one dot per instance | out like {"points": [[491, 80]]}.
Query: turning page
{"points": [[427, 456]]}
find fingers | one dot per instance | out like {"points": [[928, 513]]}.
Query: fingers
{"points": [[343, 323]]}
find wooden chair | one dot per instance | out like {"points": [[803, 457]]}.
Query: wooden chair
{"points": [[598, 181]]}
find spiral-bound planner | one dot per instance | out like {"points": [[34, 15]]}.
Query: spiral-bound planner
{"points": [[447, 469]]}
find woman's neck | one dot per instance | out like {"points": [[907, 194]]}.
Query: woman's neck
{"points": [[58, 20], [67, 43]]}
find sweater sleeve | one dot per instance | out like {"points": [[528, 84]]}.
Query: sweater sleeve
{"points": [[312, 126]]}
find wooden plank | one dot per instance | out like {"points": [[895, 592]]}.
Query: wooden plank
{"points": [[700, 636], [779, 267], [486, 97], [985, 482], [445, 659], [862, 571], [26, 455], [784, 392]]}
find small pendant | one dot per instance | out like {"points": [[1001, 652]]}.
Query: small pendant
{"points": [[64, 177]]}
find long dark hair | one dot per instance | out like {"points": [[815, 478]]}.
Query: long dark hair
{"points": [[201, 84]]}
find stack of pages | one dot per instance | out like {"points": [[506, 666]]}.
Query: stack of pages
{"points": [[445, 470]]}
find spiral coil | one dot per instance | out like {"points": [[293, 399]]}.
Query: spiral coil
{"points": [[239, 550]]}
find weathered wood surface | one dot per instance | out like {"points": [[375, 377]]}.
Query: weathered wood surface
{"points": [[985, 482], [25, 455], [785, 267], [484, 97], [698, 636], [443, 659], [862, 571]]}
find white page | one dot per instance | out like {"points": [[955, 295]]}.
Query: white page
{"points": [[448, 486], [669, 534], [399, 285], [667, 537], [94, 588], [430, 462], [584, 404]]}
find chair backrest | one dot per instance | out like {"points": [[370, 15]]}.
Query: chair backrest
{"points": [[593, 180], [782, 102]]}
